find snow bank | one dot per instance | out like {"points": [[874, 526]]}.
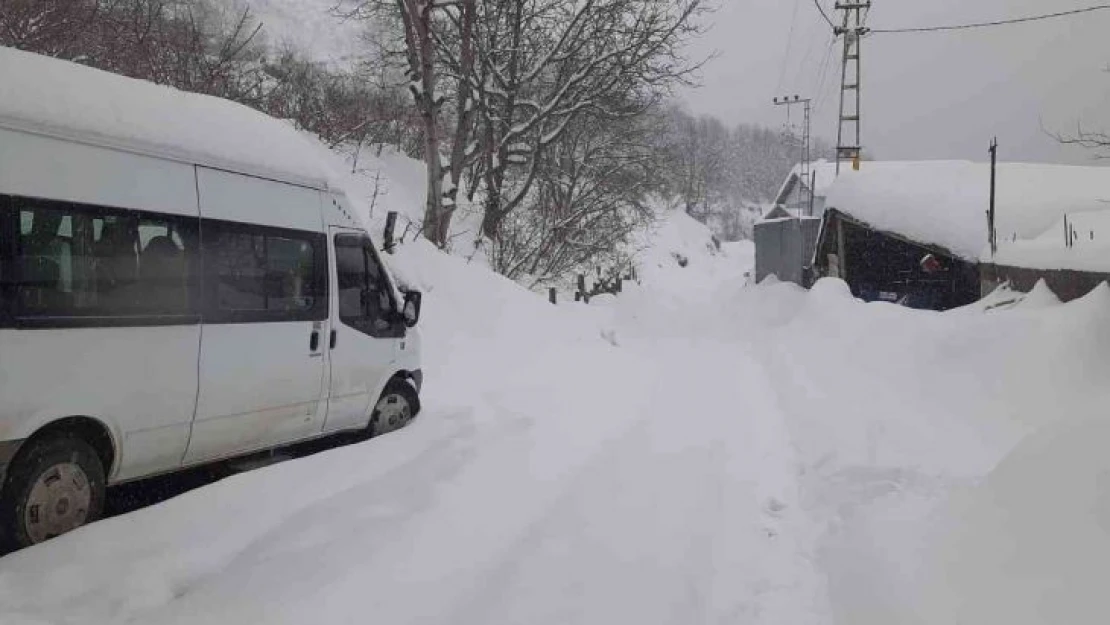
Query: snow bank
{"points": [[1031, 544], [944, 203], [892, 411], [69, 100], [675, 243]]}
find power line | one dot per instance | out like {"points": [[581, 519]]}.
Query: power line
{"points": [[789, 46], [823, 75], [825, 15], [1020, 20], [814, 42]]}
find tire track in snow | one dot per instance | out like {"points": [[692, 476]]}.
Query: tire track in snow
{"points": [[786, 585], [417, 568], [666, 524], [622, 541]]}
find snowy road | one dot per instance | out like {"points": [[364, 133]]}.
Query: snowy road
{"points": [[645, 478], [692, 452]]}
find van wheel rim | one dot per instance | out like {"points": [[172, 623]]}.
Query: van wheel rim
{"points": [[393, 412], [59, 502]]}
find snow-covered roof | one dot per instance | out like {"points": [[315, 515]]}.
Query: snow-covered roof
{"points": [[826, 176], [1080, 242], [63, 99], [945, 203]]}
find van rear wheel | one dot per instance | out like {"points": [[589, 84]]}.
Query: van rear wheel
{"points": [[54, 486], [397, 406]]}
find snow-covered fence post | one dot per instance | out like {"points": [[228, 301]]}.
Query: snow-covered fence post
{"points": [[390, 227]]}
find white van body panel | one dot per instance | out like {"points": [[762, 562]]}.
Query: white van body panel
{"points": [[234, 197], [409, 351], [260, 386], [139, 382], [44, 167]]}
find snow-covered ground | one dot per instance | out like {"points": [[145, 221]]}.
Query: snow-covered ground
{"points": [[697, 450]]}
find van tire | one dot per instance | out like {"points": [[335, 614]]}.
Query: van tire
{"points": [[63, 471], [397, 406]]}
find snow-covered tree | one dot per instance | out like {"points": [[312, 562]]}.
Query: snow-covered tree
{"points": [[544, 64]]}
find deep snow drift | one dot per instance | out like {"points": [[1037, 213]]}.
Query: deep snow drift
{"points": [[898, 415], [697, 450]]}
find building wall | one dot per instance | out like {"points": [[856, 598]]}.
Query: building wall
{"points": [[784, 248], [1066, 284], [885, 266]]}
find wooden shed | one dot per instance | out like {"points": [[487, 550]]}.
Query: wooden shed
{"points": [[881, 265], [918, 232]]}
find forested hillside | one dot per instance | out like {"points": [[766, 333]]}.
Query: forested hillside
{"points": [[547, 156]]}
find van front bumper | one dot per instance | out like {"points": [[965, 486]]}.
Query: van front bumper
{"points": [[8, 450]]}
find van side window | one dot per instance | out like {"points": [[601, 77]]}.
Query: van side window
{"points": [[366, 300], [259, 274], [78, 261]]}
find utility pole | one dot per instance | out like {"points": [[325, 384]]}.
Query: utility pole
{"points": [[992, 234], [848, 144], [804, 174]]}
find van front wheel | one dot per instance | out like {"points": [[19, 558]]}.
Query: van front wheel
{"points": [[54, 486], [397, 406]]}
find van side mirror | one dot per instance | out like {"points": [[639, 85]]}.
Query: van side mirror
{"points": [[410, 311]]}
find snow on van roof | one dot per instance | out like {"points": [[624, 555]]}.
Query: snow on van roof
{"points": [[945, 203], [67, 100]]}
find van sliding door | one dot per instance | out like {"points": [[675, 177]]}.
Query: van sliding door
{"points": [[263, 346]]}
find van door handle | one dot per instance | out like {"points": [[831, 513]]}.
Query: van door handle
{"points": [[331, 341], [314, 341]]}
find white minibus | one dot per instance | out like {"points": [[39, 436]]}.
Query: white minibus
{"points": [[181, 282]]}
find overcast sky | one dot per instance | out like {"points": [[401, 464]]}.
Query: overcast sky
{"points": [[925, 96]]}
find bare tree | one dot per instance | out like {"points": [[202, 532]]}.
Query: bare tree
{"points": [[515, 75], [57, 28], [590, 195], [1097, 141], [463, 149], [430, 31], [721, 175], [420, 46], [189, 44], [543, 64]]}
